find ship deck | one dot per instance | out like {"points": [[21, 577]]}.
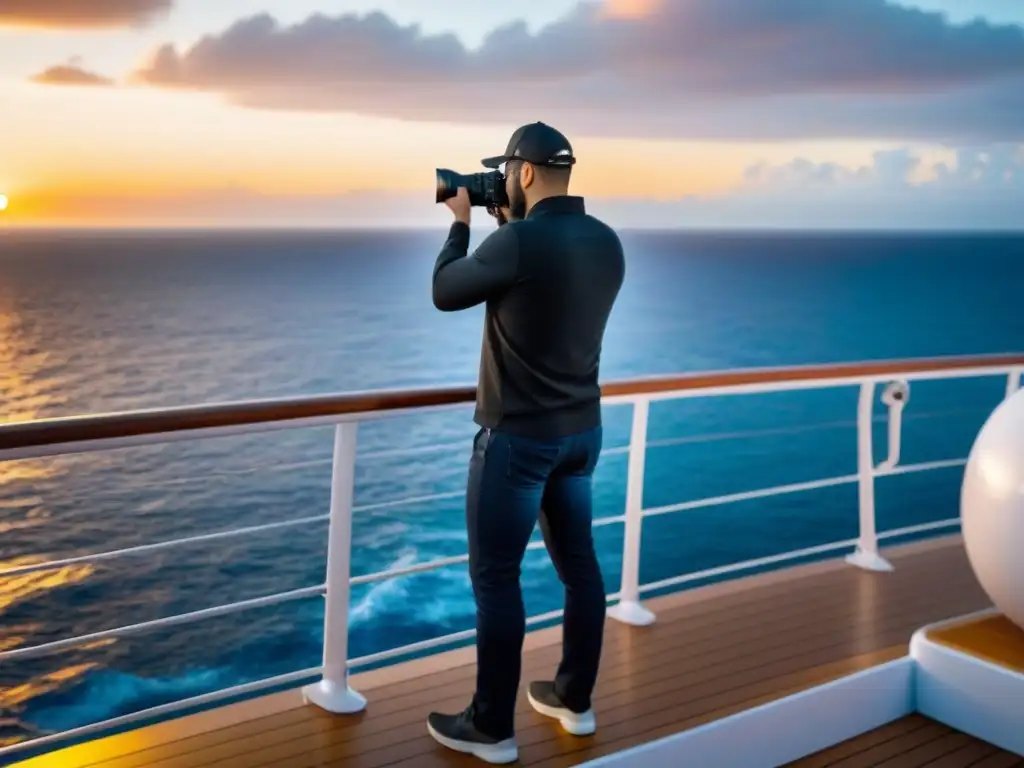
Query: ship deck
{"points": [[714, 651], [912, 742]]}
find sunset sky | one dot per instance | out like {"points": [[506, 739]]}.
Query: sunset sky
{"points": [[847, 113]]}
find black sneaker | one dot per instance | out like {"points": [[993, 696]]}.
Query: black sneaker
{"points": [[457, 732], [544, 699]]}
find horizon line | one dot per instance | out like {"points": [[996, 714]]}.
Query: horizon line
{"points": [[405, 228]]}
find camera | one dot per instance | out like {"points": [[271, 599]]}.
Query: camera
{"points": [[486, 190]]}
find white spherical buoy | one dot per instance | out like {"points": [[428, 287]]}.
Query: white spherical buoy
{"points": [[992, 507]]}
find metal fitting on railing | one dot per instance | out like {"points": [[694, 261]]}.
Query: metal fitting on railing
{"points": [[895, 397], [629, 610], [333, 692]]}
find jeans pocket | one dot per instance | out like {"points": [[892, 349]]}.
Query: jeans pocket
{"points": [[532, 460]]}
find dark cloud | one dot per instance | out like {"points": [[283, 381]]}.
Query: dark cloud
{"points": [[80, 13], [707, 69], [71, 73]]}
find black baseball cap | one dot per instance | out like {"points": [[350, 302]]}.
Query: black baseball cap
{"points": [[536, 143]]}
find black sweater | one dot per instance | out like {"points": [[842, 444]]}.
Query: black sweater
{"points": [[549, 282]]}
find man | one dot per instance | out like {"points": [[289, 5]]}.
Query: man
{"points": [[549, 276]]}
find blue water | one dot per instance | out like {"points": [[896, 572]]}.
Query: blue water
{"points": [[103, 322]]}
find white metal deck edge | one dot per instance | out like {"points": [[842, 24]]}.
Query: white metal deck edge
{"points": [[787, 729]]}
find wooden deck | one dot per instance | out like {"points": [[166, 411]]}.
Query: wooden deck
{"points": [[713, 652], [913, 742], [994, 639]]}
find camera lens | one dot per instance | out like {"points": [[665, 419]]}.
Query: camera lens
{"points": [[485, 189], [448, 183]]}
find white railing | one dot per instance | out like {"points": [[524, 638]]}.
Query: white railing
{"points": [[332, 692]]}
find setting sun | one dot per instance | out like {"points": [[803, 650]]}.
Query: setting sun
{"points": [[3, 202]]}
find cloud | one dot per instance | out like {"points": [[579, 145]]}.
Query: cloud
{"points": [[80, 13], [72, 74], [976, 188], [997, 169], [700, 69]]}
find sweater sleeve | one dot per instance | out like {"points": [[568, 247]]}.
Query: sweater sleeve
{"points": [[462, 281]]}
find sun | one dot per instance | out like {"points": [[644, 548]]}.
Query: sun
{"points": [[3, 203]]}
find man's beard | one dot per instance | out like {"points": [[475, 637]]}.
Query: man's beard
{"points": [[516, 200]]}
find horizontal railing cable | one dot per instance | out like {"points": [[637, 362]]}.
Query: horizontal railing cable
{"points": [[669, 442], [710, 501], [44, 649], [142, 549], [444, 562]]}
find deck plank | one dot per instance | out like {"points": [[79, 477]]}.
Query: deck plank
{"points": [[911, 742], [999, 760], [712, 652]]}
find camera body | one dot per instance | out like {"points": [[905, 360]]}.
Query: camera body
{"points": [[486, 190]]}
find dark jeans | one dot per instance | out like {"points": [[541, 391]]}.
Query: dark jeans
{"points": [[513, 481]]}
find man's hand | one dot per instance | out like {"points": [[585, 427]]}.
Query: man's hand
{"points": [[459, 205], [501, 214]]}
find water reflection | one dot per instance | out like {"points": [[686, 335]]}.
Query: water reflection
{"points": [[14, 698], [28, 389], [25, 585], [22, 689]]}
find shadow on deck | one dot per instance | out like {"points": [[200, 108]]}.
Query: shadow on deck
{"points": [[713, 652]]}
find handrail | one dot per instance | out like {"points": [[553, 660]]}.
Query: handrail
{"points": [[332, 692], [205, 538], [54, 432]]}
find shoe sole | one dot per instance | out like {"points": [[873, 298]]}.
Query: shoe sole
{"points": [[495, 754], [577, 725]]}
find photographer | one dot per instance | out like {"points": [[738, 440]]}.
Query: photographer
{"points": [[549, 276]]}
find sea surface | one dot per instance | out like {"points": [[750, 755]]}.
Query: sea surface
{"points": [[97, 322]]}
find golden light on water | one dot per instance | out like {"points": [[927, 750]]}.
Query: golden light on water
{"points": [[26, 390], [16, 589]]}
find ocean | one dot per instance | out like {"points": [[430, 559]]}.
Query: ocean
{"points": [[98, 322]]}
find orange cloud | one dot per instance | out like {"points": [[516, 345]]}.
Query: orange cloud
{"points": [[632, 9], [70, 74], [80, 13]]}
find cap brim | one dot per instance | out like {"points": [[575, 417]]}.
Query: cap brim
{"points": [[493, 162]]}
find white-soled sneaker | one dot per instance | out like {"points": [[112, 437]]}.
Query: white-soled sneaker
{"points": [[544, 699], [457, 732]]}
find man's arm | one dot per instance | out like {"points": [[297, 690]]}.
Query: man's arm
{"points": [[462, 281]]}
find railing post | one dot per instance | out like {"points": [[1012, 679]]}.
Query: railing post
{"points": [[629, 610], [866, 555], [1013, 381], [333, 692]]}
